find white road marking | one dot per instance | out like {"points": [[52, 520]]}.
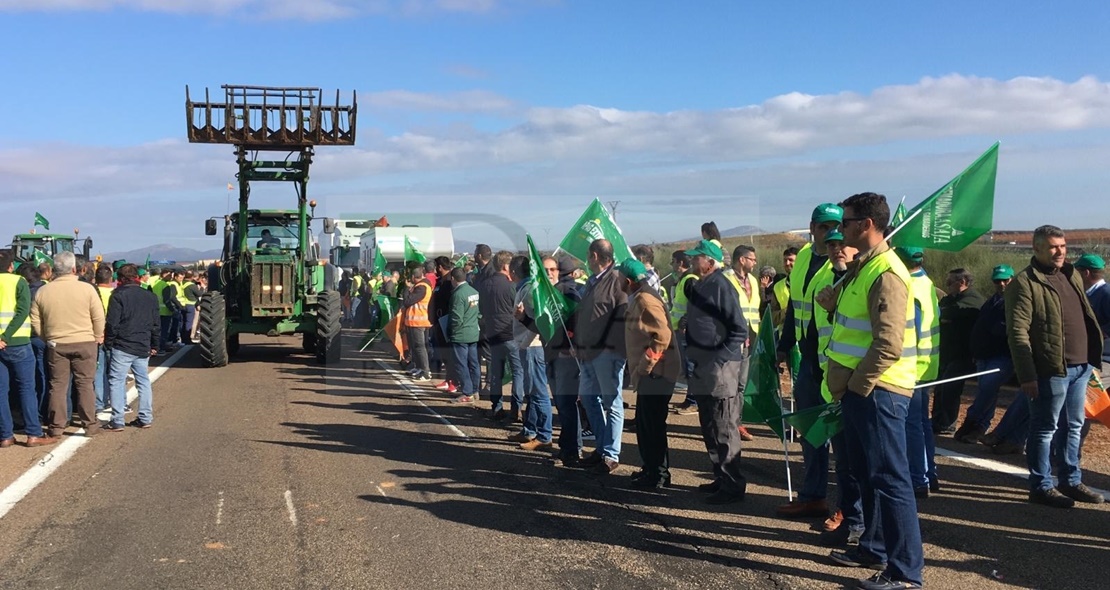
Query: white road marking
{"points": [[220, 509], [415, 394], [998, 466], [62, 451], [290, 508]]}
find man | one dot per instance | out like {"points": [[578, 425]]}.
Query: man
{"points": [[716, 337], [100, 380], [653, 366], [599, 343], [535, 434], [188, 297], [680, 265], [1091, 268], [268, 240], [742, 279], [958, 311], [872, 370], [562, 367], [415, 318], [462, 332], [781, 287], [441, 308], [131, 333], [991, 350], [17, 358], [646, 256], [809, 275], [31, 274], [1055, 341], [165, 311], [498, 308], [767, 275], [70, 317], [920, 444]]}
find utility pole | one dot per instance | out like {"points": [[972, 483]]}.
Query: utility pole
{"points": [[547, 238], [613, 206]]}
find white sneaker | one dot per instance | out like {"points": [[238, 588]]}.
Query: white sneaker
{"points": [[421, 378]]}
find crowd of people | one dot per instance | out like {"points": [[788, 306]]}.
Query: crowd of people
{"points": [[867, 321], [71, 333]]}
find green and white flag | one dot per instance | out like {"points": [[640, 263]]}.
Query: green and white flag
{"points": [[412, 254], [958, 213], [462, 261], [595, 224], [40, 220], [550, 307], [817, 424], [899, 214], [41, 257], [379, 260], [762, 402]]}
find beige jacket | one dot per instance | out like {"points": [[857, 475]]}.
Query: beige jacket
{"points": [[647, 326], [67, 311]]}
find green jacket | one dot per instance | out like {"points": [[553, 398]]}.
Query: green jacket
{"points": [[462, 322], [1035, 328]]}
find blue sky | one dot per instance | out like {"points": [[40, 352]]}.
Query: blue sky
{"points": [[744, 113]]}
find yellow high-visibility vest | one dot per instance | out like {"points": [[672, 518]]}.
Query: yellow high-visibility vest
{"points": [[750, 307], [678, 307], [928, 335], [105, 295], [801, 295], [9, 284]]}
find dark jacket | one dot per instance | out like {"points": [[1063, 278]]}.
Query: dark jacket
{"points": [[193, 292], [1100, 304], [497, 306], [988, 336], [958, 312], [132, 324], [169, 297], [462, 322], [599, 319], [441, 306], [1036, 328], [560, 343], [715, 326]]}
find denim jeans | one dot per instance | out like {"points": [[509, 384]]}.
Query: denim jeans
{"points": [[17, 371], [875, 438], [807, 394], [1059, 404], [121, 363], [166, 336], [687, 366], [1014, 425], [920, 442], [981, 412], [499, 353], [848, 501], [100, 379], [188, 315], [537, 419], [418, 344], [563, 376], [42, 382], [469, 371], [600, 390]]}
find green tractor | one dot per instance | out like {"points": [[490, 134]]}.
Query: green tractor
{"points": [[270, 276], [34, 248]]}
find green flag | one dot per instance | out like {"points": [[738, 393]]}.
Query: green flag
{"points": [[817, 424], [957, 214], [379, 259], [411, 253], [146, 264], [549, 306], [462, 261], [41, 257], [40, 220], [761, 394], [899, 214], [595, 224]]}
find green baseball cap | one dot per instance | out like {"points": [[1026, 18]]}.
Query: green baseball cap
{"points": [[633, 270], [827, 212], [1091, 261], [910, 253], [834, 235], [707, 248], [1002, 272]]}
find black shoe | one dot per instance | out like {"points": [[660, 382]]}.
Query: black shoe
{"points": [[711, 487], [934, 486], [497, 415], [1051, 497], [139, 424], [724, 497], [648, 481], [1082, 493], [590, 460], [881, 582], [840, 537], [856, 558]]}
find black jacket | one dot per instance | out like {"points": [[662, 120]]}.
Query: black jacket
{"points": [[988, 336], [132, 324], [559, 343], [497, 304], [599, 319], [715, 326], [441, 306]]}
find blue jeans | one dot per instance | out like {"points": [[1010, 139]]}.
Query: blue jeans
{"points": [[100, 380], [1014, 425], [1059, 403], [600, 390], [17, 368], [981, 412], [807, 394], [563, 377], [920, 442], [849, 501], [875, 437], [167, 332], [42, 381], [499, 353], [537, 420], [469, 372], [187, 323], [687, 366], [121, 362]]}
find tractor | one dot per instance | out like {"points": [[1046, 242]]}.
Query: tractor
{"points": [[33, 248], [270, 276]]}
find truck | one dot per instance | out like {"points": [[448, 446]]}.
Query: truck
{"points": [[344, 246], [430, 241]]}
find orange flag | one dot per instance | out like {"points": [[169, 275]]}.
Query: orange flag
{"points": [[396, 335], [1098, 402]]}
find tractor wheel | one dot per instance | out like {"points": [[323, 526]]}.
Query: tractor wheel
{"points": [[329, 313], [212, 330], [308, 342]]}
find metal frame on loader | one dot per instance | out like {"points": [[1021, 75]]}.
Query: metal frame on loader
{"points": [[278, 288]]}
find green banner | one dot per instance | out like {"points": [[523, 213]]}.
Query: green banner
{"points": [[550, 307], [595, 224], [817, 424], [762, 401], [412, 254], [40, 220]]}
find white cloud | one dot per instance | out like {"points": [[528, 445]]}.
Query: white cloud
{"points": [[469, 101], [278, 9]]}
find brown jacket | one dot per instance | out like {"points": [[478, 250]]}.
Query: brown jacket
{"points": [[67, 311], [647, 326], [887, 301]]}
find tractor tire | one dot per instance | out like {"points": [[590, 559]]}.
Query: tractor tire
{"points": [[329, 314], [212, 330], [308, 342]]}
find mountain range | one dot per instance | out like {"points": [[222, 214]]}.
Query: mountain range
{"points": [[163, 252]]}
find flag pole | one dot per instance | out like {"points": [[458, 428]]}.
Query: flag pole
{"points": [[960, 378], [890, 235], [786, 454]]}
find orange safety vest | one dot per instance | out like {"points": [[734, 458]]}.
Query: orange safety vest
{"points": [[416, 315]]}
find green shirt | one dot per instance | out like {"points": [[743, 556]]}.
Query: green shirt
{"points": [[462, 323]]}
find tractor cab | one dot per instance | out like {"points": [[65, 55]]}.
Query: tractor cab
{"points": [[24, 246], [273, 230]]}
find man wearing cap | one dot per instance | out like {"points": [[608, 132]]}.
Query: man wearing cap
{"points": [[991, 351], [599, 344], [716, 337], [562, 370], [653, 366], [1091, 269], [680, 298], [810, 274], [920, 444], [958, 311], [1055, 341], [872, 370]]}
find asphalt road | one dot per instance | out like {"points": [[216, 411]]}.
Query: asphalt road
{"points": [[276, 473]]}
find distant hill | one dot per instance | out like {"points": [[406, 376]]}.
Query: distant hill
{"points": [[163, 252], [735, 232]]}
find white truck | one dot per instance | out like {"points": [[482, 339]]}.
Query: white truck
{"points": [[430, 241]]}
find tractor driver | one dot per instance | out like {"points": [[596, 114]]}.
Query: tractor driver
{"points": [[268, 240]]}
